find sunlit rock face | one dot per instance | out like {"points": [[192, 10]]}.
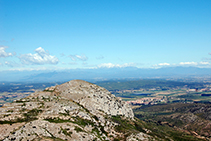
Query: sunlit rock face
{"points": [[93, 97], [75, 110]]}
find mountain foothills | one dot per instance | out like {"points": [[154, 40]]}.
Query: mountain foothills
{"points": [[76, 110], [79, 110], [193, 118]]}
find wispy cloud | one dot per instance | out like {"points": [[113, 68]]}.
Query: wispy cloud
{"points": [[110, 65], [204, 63], [188, 63], [184, 64], [82, 57], [163, 64], [160, 65], [72, 63], [78, 57], [207, 58], [3, 53], [39, 58], [12, 64]]}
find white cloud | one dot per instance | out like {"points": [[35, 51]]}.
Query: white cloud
{"points": [[164, 64], [39, 58], [204, 63], [110, 65], [188, 63], [78, 57], [195, 64], [3, 53], [156, 66], [82, 57]]}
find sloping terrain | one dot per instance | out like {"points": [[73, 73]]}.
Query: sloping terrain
{"points": [[76, 110], [192, 118]]}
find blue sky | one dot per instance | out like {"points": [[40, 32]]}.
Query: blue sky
{"points": [[69, 34]]}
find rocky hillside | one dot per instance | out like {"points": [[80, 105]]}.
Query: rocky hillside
{"points": [[76, 110], [192, 118]]}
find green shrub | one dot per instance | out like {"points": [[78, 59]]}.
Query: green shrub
{"points": [[57, 120], [66, 132], [31, 115], [78, 129]]}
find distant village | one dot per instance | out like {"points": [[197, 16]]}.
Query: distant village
{"points": [[148, 100], [164, 99]]}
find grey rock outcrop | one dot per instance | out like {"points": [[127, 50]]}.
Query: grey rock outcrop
{"points": [[93, 97], [76, 110]]}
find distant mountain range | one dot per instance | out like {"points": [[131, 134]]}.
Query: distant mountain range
{"points": [[103, 74]]}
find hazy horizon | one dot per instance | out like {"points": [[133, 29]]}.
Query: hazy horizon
{"points": [[106, 74]]}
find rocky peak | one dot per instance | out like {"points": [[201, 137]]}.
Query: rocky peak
{"points": [[92, 97], [75, 110]]}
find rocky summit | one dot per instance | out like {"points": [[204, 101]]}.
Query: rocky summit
{"points": [[75, 110]]}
